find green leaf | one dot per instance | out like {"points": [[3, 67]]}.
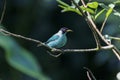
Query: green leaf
{"points": [[90, 10], [67, 8], [117, 2], [93, 5], [76, 1], [116, 13], [103, 6], [20, 58], [87, 9], [99, 13], [71, 10], [62, 3], [110, 10]]}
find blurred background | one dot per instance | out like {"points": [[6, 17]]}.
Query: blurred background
{"points": [[39, 19]]}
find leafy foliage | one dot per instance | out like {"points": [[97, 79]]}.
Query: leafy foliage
{"points": [[91, 8], [66, 7]]}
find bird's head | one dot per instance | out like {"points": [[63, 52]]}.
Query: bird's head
{"points": [[65, 30]]}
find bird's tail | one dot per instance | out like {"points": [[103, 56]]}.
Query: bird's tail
{"points": [[39, 45]]}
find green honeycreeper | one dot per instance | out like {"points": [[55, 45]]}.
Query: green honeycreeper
{"points": [[59, 39]]}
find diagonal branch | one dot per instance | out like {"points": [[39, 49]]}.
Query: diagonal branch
{"points": [[90, 26], [23, 37], [94, 27], [3, 12], [90, 74], [103, 25]]}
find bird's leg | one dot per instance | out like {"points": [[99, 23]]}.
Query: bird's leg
{"points": [[54, 49]]}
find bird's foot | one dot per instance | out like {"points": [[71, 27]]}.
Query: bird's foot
{"points": [[54, 53], [54, 49]]}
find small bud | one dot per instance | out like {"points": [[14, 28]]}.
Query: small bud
{"points": [[111, 6], [118, 75], [107, 38]]}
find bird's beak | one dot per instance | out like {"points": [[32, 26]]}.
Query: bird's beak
{"points": [[69, 30]]}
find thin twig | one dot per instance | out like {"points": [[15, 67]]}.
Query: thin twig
{"points": [[114, 38], [103, 25], [88, 75], [89, 72], [3, 12], [23, 37]]}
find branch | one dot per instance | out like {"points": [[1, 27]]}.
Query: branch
{"points": [[90, 26], [94, 27], [114, 38], [89, 73], [103, 25], [26, 38], [52, 49], [3, 12]]}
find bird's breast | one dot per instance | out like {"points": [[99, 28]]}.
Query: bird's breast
{"points": [[58, 43]]}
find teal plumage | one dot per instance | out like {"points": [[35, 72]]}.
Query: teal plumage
{"points": [[59, 39]]}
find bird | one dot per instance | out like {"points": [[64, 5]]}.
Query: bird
{"points": [[59, 39]]}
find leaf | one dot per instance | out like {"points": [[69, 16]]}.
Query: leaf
{"points": [[117, 2], [66, 8], [90, 10], [62, 3], [20, 58], [76, 1], [87, 9], [99, 13], [110, 10], [93, 5], [103, 6], [116, 13], [71, 10]]}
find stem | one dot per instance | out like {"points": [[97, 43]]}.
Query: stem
{"points": [[114, 38], [89, 72], [88, 75], [103, 25], [3, 12], [26, 38]]}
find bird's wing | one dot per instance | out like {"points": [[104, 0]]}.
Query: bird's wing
{"points": [[53, 38]]}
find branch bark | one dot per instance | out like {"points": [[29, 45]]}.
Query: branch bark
{"points": [[52, 49]]}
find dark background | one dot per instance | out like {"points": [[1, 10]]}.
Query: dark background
{"points": [[39, 19]]}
